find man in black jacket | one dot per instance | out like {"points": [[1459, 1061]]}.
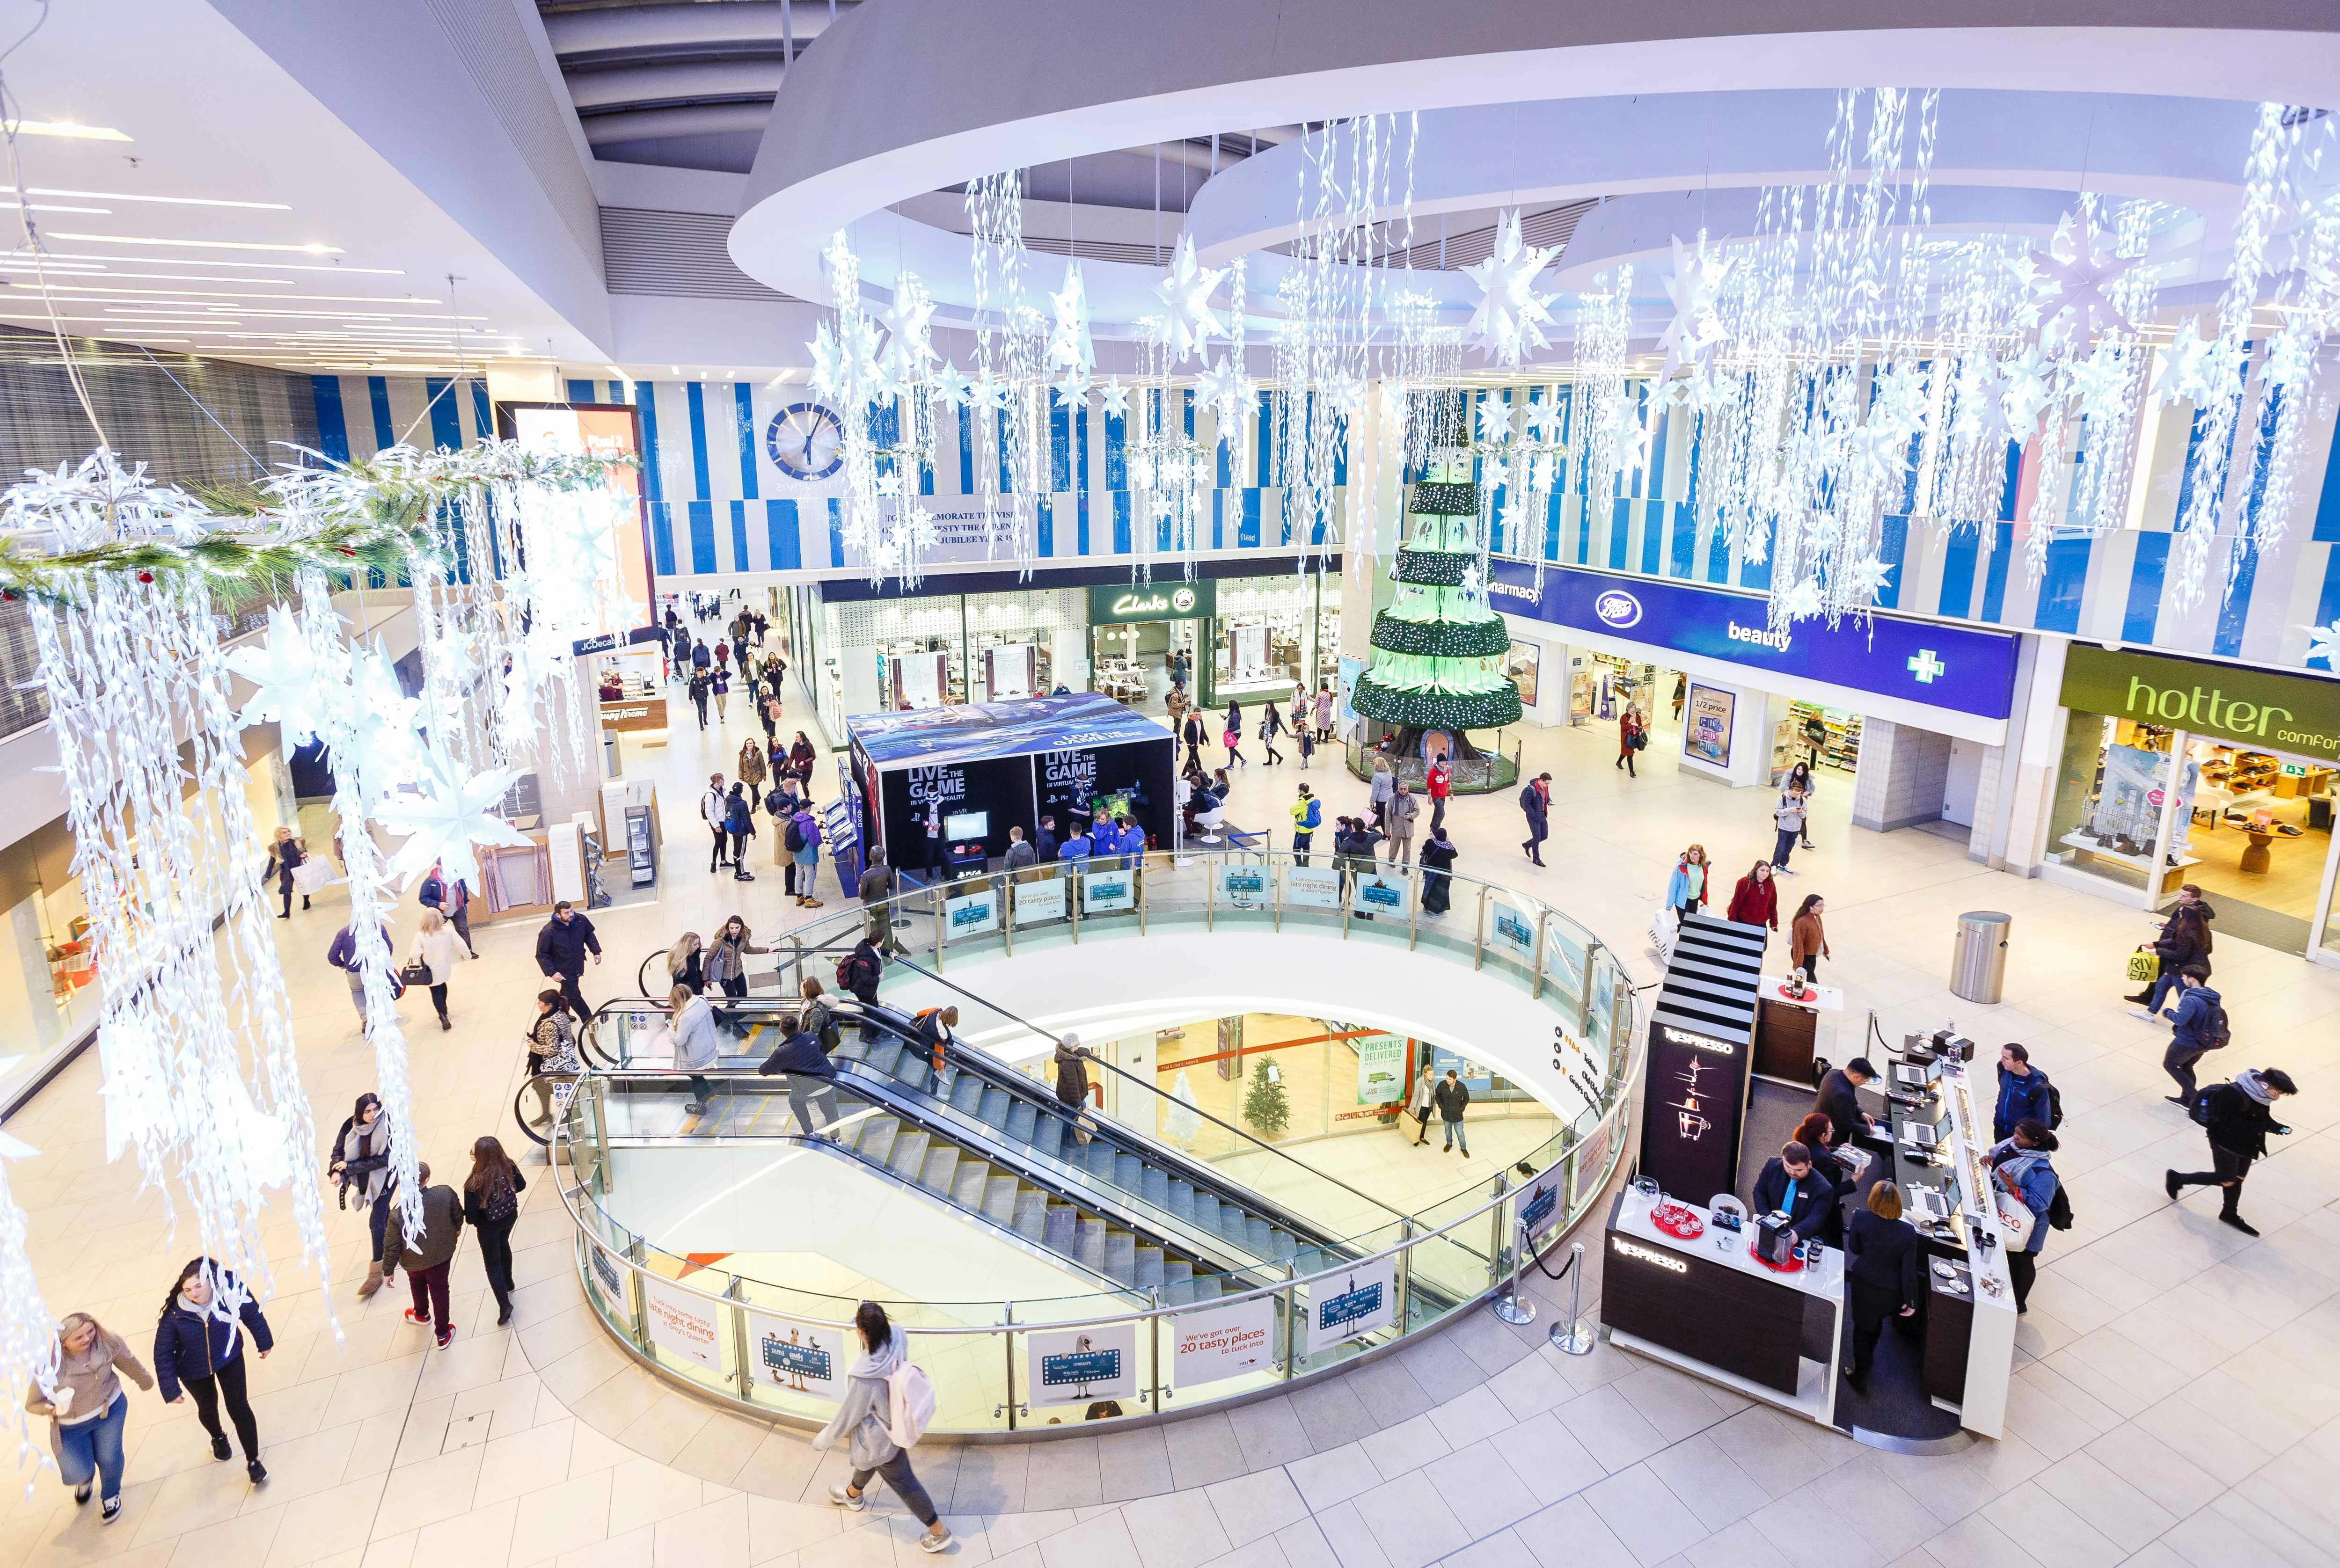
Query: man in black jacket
{"points": [[1884, 1273], [1789, 1185], [858, 974], [2242, 1114], [561, 949], [1838, 1101], [1453, 1097]]}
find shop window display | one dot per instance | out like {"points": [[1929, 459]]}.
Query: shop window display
{"points": [[1258, 644], [1822, 737], [2114, 777], [2260, 834], [1014, 640]]}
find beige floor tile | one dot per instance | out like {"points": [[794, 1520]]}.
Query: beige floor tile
{"points": [[560, 1519], [425, 1493], [325, 1523], [525, 1461]]}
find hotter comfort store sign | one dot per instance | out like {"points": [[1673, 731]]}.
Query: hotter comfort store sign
{"points": [[2220, 701], [1924, 662]]}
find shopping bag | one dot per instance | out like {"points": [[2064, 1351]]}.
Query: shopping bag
{"points": [[312, 876], [1663, 927], [2142, 966]]}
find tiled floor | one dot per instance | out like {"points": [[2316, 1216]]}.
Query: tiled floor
{"points": [[2177, 1399]]}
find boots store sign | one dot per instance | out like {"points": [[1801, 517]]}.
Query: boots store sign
{"points": [[1950, 667]]}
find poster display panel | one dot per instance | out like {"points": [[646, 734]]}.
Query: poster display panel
{"points": [[1220, 1342], [1312, 886], [798, 1357], [1349, 1303], [1076, 1365], [1706, 725], [1041, 901], [1379, 894], [971, 916], [1242, 886], [1107, 892], [683, 1323]]}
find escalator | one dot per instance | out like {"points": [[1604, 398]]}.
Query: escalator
{"points": [[995, 1144]]}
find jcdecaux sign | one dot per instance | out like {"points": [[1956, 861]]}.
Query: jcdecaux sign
{"points": [[1949, 667]]}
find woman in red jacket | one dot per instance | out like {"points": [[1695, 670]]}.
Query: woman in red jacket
{"points": [[1756, 900], [1630, 730]]}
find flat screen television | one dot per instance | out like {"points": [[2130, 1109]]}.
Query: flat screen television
{"points": [[959, 826]]}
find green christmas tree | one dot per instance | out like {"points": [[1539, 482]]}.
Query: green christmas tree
{"points": [[1439, 647], [1264, 1105]]}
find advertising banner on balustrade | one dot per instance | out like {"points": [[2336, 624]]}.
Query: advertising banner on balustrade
{"points": [[1222, 1341], [683, 1323], [1350, 1301], [1543, 1203], [1243, 886], [1378, 892], [1103, 892], [1512, 930], [608, 1279], [795, 1357], [1076, 1366], [1312, 886], [1041, 901], [971, 916]]}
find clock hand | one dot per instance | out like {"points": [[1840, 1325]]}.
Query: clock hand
{"points": [[809, 439]]}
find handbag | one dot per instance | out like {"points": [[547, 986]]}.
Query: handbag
{"points": [[414, 972], [2142, 966], [1640, 739]]}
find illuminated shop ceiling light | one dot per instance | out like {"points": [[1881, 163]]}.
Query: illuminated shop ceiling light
{"points": [[110, 288], [67, 130], [207, 262], [126, 196], [311, 249]]}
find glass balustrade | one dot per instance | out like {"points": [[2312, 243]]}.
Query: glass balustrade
{"points": [[1313, 1273]]}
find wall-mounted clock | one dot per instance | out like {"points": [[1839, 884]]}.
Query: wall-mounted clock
{"points": [[806, 439]]}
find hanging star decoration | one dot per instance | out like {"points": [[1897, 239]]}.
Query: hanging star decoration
{"points": [[889, 484], [950, 386], [1346, 393], [827, 377], [1225, 388], [2024, 393], [295, 688], [2324, 643], [1070, 348], [1690, 338], [1073, 389], [1869, 577], [1494, 421], [1494, 473], [1115, 399], [1186, 293], [2079, 280], [1802, 601], [446, 815], [909, 335], [1511, 315]]}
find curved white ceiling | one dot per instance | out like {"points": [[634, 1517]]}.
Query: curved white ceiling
{"points": [[917, 94]]}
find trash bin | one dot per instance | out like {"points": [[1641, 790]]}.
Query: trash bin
{"points": [[1979, 967]]}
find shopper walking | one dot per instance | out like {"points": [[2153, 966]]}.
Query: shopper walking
{"points": [[1072, 1061], [726, 957], [1271, 725], [561, 946], [1756, 900], [452, 896], [739, 824], [1196, 735], [1807, 938], [1441, 784], [1422, 1101], [696, 1043], [286, 856], [1307, 816], [199, 1351], [1788, 819], [2183, 939], [752, 769], [1686, 887], [360, 1159], [341, 953], [1305, 738], [1800, 778], [2020, 1164], [862, 1422], [2239, 1117], [1384, 790], [700, 683], [1232, 736], [491, 1207], [437, 950], [2022, 1093], [88, 1411], [804, 833], [859, 973], [1438, 854], [1397, 822], [429, 1258], [1632, 734], [2199, 1026], [1884, 1271], [1535, 804], [1452, 1097], [715, 811]]}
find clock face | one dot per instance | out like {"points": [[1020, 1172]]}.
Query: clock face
{"points": [[805, 439]]}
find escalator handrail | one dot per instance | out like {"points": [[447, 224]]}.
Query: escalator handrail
{"points": [[1059, 1181], [1143, 1087]]}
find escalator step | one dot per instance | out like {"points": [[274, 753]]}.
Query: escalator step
{"points": [[1128, 1172], [877, 1136], [1260, 1236], [1100, 1157], [1234, 1224], [966, 1092], [1032, 1213], [999, 1190], [1181, 1201], [1177, 1271], [994, 1111], [1048, 1137], [968, 1188], [1282, 1246], [941, 1171], [1178, 1292], [1121, 1257], [1155, 1187], [1206, 1212], [1060, 1227], [1089, 1242], [910, 1156], [884, 1055], [1022, 1115], [1308, 1260], [1149, 1267]]}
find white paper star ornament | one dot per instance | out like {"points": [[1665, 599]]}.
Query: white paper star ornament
{"points": [[1511, 315], [1185, 292]]}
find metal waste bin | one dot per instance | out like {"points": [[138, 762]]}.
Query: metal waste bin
{"points": [[1979, 967]]}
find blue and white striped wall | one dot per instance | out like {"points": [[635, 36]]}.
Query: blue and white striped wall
{"points": [[2257, 607], [719, 504], [358, 416]]}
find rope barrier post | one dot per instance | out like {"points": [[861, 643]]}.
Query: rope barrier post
{"points": [[1511, 1306], [1574, 1336]]}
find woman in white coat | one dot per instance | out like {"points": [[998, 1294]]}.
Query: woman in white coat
{"points": [[439, 947], [695, 1042], [1418, 1105]]}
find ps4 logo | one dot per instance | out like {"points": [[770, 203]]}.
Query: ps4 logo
{"points": [[1618, 608]]}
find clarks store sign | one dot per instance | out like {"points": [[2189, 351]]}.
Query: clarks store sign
{"points": [[1166, 599], [2221, 702]]}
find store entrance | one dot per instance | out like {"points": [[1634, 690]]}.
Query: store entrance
{"points": [[1821, 737], [2256, 836], [1137, 662], [1606, 683]]}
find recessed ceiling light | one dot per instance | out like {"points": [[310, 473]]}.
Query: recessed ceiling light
{"points": [[313, 249], [206, 261], [65, 128], [112, 290], [674, 370], [126, 196]]}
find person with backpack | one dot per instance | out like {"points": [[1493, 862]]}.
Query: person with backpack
{"points": [[2023, 1094], [1307, 816], [2021, 1167], [802, 836], [2239, 1117], [857, 974], [700, 682], [885, 1409], [739, 823], [2199, 1027], [491, 1207]]}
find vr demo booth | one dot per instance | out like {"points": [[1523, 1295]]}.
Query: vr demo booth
{"points": [[983, 768]]}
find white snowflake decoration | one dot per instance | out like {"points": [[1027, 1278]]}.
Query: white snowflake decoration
{"points": [[1512, 315], [1186, 293]]}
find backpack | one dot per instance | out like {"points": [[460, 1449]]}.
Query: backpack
{"points": [[794, 837], [2199, 1110], [500, 1203], [2216, 1032], [773, 801], [910, 1404], [2055, 1110], [2060, 1208]]}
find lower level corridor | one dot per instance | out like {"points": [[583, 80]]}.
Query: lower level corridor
{"points": [[2177, 1399]]}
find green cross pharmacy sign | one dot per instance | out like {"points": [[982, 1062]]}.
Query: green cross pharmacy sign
{"points": [[2228, 702]]}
